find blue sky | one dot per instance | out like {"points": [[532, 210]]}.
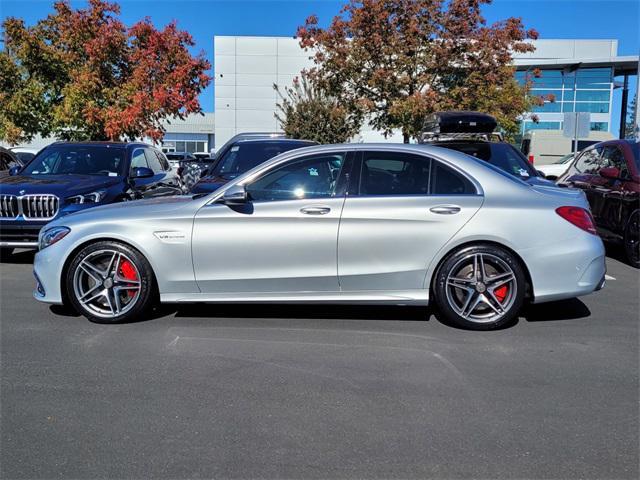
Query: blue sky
{"points": [[610, 19]]}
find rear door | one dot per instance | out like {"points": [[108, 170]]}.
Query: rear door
{"points": [[401, 209]]}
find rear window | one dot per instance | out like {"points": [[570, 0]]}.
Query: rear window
{"points": [[501, 155], [244, 156]]}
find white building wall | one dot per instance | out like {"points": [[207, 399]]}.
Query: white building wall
{"points": [[246, 68]]}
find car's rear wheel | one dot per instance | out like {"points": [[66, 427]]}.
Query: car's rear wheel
{"points": [[632, 239], [110, 282], [480, 287]]}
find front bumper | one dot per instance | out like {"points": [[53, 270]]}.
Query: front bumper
{"points": [[47, 269], [20, 234]]}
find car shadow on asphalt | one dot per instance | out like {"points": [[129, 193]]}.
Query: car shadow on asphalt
{"points": [[21, 257], [571, 309]]}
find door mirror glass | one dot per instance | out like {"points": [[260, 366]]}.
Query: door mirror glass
{"points": [[235, 195], [141, 172], [611, 173], [13, 171]]}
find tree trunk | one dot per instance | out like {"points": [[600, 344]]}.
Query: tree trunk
{"points": [[405, 137]]}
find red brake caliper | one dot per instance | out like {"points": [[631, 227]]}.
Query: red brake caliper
{"points": [[501, 293], [128, 272]]}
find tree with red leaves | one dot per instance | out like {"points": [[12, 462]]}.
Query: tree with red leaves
{"points": [[394, 61], [83, 75]]}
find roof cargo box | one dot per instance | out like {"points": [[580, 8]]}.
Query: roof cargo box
{"points": [[459, 122]]}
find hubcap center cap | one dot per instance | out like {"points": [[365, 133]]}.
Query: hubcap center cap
{"points": [[480, 287], [108, 283]]}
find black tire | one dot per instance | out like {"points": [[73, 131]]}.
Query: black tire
{"points": [[632, 239], [145, 287], [5, 253], [456, 287]]}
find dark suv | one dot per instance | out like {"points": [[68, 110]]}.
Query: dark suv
{"points": [[474, 133], [67, 177], [241, 156], [609, 174]]}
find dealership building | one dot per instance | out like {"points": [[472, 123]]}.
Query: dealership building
{"points": [[579, 73]]}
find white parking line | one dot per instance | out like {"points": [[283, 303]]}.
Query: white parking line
{"points": [[609, 277]]}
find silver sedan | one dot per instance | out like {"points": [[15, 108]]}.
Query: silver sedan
{"points": [[357, 223]]}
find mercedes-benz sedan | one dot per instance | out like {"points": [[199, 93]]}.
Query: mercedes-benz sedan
{"points": [[357, 223]]}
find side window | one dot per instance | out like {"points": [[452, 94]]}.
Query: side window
{"points": [[5, 161], [311, 177], [138, 159], [614, 157], [394, 173], [445, 181], [163, 161], [152, 160], [589, 161]]}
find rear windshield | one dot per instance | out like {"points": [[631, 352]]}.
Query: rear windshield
{"points": [[78, 160], [501, 155], [244, 156]]}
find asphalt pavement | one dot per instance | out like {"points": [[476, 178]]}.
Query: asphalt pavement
{"points": [[228, 391]]}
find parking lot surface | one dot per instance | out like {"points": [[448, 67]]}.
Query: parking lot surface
{"points": [[230, 391]]}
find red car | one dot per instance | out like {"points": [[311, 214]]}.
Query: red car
{"points": [[609, 174]]}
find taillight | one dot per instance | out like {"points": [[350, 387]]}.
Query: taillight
{"points": [[579, 217], [531, 159]]}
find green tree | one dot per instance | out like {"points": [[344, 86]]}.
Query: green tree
{"points": [[308, 112], [630, 124], [397, 60], [83, 75]]}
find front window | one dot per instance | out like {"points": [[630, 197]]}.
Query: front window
{"points": [[78, 160], [314, 177], [501, 155]]}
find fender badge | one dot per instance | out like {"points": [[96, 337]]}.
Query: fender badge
{"points": [[170, 237]]}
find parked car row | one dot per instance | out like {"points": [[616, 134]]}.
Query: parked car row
{"points": [[463, 220]]}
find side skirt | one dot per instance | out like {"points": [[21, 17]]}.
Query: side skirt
{"points": [[413, 297]]}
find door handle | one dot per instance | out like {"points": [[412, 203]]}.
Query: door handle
{"points": [[445, 209], [315, 210]]}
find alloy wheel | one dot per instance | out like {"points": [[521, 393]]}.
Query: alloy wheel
{"points": [[107, 283], [481, 288]]}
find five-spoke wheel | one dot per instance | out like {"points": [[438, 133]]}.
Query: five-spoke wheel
{"points": [[109, 282], [480, 287]]}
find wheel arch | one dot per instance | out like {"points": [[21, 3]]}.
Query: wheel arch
{"points": [[529, 293]]}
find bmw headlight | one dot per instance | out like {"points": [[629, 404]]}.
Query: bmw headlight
{"points": [[93, 197], [52, 235]]}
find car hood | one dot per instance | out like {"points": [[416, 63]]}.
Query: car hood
{"points": [[60, 185], [160, 207]]}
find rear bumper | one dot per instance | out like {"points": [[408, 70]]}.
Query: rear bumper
{"points": [[566, 269]]}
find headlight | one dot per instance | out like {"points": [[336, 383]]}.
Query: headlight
{"points": [[93, 197], [52, 235]]}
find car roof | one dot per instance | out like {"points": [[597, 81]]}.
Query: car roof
{"points": [[106, 143], [275, 140]]}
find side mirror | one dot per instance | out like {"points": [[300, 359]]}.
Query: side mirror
{"points": [[13, 171], [141, 172], [611, 173], [235, 195]]}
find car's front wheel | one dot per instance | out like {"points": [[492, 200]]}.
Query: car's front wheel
{"points": [[480, 287], [110, 282]]}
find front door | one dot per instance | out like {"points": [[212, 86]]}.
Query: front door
{"points": [[284, 239], [405, 210]]}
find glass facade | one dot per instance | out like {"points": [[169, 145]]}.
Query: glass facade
{"points": [[582, 90]]}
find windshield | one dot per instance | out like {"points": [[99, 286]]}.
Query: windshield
{"points": [[78, 160], [244, 156], [501, 155]]}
